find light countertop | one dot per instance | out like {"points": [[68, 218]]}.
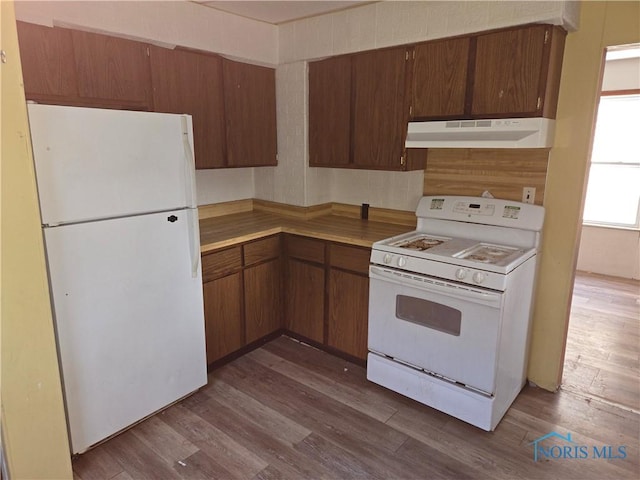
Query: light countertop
{"points": [[227, 230]]}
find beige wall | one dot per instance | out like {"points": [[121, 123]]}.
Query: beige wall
{"points": [[602, 24], [610, 251], [33, 423]]}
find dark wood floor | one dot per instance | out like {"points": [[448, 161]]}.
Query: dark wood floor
{"points": [[290, 411]]}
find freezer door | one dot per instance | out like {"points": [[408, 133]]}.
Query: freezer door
{"points": [[129, 319], [94, 163]]}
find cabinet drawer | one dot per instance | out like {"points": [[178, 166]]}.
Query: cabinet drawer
{"points": [[218, 264], [305, 249], [350, 258], [261, 250]]}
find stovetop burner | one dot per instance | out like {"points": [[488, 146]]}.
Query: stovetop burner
{"points": [[486, 253], [419, 243]]}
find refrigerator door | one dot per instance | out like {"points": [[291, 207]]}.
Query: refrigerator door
{"points": [[129, 319], [94, 163]]}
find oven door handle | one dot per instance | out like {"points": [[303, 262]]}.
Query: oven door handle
{"points": [[469, 294]]}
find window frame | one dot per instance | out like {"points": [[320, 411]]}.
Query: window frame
{"points": [[604, 224]]}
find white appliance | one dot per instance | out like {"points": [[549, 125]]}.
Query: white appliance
{"points": [[120, 224], [450, 306], [491, 133]]}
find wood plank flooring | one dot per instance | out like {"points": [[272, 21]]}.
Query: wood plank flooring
{"points": [[602, 358], [290, 411]]}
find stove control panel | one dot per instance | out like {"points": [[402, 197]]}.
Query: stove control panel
{"points": [[444, 270], [474, 208]]}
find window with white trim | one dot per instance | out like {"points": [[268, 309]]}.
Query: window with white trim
{"points": [[613, 191]]}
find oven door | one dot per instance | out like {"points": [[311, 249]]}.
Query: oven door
{"points": [[444, 328]]}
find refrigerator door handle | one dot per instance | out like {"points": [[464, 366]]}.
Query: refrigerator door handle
{"points": [[194, 240], [189, 164]]}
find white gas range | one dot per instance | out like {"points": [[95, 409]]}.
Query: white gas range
{"points": [[450, 306]]}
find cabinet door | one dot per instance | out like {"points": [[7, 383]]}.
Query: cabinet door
{"points": [[305, 299], [381, 110], [262, 291], [112, 71], [508, 72], [440, 78], [223, 316], [330, 112], [250, 109], [348, 312], [190, 82], [47, 62]]}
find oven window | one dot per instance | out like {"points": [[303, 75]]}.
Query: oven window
{"points": [[429, 314]]}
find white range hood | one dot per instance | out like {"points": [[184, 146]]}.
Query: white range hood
{"points": [[494, 133]]}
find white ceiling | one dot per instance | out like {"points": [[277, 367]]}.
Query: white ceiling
{"points": [[278, 11]]}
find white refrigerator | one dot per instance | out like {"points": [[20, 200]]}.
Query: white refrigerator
{"points": [[120, 224]]}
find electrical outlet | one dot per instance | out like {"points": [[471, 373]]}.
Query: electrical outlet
{"points": [[528, 194]]}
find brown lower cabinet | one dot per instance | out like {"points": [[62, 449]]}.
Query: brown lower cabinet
{"points": [[223, 316], [318, 292], [262, 291], [242, 288], [348, 299], [305, 286], [328, 274]]}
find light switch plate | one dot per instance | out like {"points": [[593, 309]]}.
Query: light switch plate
{"points": [[528, 194]]}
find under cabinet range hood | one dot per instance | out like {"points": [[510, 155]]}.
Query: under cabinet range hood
{"points": [[494, 133]]}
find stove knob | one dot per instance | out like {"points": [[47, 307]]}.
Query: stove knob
{"points": [[386, 258], [402, 261], [478, 277], [461, 274]]}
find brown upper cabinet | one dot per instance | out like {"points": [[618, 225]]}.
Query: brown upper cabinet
{"points": [[48, 66], [439, 80], [513, 72], [70, 67], [232, 103], [112, 71], [330, 112], [380, 108], [190, 82], [358, 111], [250, 114], [517, 72]]}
